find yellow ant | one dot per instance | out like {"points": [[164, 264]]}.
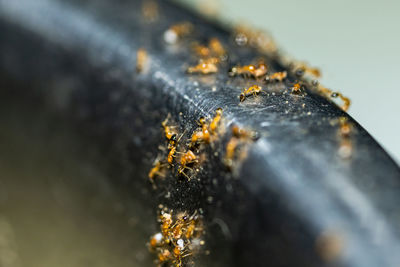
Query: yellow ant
{"points": [[202, 135], [250, 70], [187, 158], [328, 93], [141, 59], [156, 171], [204, 67], [296, 88], [177, 31], [214, 49], [215, 122], [150, 10], [253, 90], [277, 77], [346, 101], [169, 131], [302, 68]]}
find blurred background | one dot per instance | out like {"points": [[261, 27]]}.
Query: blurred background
{"points": [[354, 43]]}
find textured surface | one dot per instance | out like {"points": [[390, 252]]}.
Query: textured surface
{"points": [[290, 190]]}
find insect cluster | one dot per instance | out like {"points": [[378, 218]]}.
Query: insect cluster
{"points": [[240, 138], [212, 55], [183, 153], [189, 153], [179, 237]]}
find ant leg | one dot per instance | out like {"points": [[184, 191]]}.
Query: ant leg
{"points": [[162, 175], [182, 171]]}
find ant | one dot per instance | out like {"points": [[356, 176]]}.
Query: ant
{"points": [[166, 222], [346, 101], [239, 136], [172, 146], [214, 48], [179, 253], [250, 70], [217, 48], [296, 89], [156, 241], [204, 67], [156, 171], [244, 134], [171, 153], [345, 148], [169, 131], [344, 133], [202, 135], [252, 90], [328, 93], [187, 158], [150, 10], [345, 127], [277, 77], [206, 130], [215, 122], [177, 31], [141, 59], [302, 68], [230, 151]]}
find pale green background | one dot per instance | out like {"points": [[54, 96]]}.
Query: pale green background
{"points": [[355, 44]]}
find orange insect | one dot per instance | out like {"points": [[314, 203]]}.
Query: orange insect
{"points": [[166, 222], [239, 136], [244, 134], [217, 48], [345, 127], [204, 67], [180, 253], [171, 153], [187, 158], [328, 93], [345, 150], [277, 77], [150, 10], [346, 101], [141, 59], [201, 50], [215, 122], [156, 171], [250, 70], [164, 256], [190, 229], [296, 88], [214, 49], [170, 132], [302, 68], [230, 151], [177, 31], [202, 135], [253, 90], [156, 240]]}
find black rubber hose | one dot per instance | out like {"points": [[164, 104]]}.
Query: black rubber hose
{"points": [[294, 200]]}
